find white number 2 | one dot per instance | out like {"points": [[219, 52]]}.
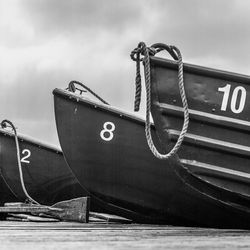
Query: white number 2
{"points": [[236, 92], [26, 154], [107, 132]]}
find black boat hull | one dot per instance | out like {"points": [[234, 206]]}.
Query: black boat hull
{"points": [[46, 175], [216, 146], [108, 153]]}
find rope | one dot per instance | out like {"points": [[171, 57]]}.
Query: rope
{"points": [[4, 124], [73, 88], [135, 56], [176, 54], [137, 83]]}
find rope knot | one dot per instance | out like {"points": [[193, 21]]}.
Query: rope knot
{"points": [[6, 123], [143, 50], [3, 124], [135, 55]]}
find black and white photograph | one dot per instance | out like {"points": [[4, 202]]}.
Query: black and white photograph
{"points": [[124, 124]]}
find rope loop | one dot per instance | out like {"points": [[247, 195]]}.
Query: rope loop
{"points": [[169, 48], [6, 123], [72, 88], [142, 49]]}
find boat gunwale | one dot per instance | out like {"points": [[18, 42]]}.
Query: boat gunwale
{"points": [[31, 140], [201, 70], [108, 108]]}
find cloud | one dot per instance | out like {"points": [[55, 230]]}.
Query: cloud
{"points": [[68, 17], [45, 44], [208, 29]]}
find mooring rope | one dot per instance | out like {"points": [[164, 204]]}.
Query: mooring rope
{"points": [[142, 49], [73, 88], [4, 124]]}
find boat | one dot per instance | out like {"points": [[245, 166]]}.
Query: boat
{"points": [[45, 175], [108, 153], [216, 145], [215, 148]]}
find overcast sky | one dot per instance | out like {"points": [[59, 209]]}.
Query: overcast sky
{"points": [[46, 43]]}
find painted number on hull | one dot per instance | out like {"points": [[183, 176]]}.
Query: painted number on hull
{"points": [[26, 154], [238, 96], [107, 132]]}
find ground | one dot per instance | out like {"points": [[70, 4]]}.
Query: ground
{"points": [[64, 235]]}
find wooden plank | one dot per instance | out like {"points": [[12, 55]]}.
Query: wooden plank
{"points": [[109, 218], [28, 209], [70, 210], [27, 217]]}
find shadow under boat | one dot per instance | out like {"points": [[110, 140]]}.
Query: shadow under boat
{"points": [[46, 175], [108, 153]]}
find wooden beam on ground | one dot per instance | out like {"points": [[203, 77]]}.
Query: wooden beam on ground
{"points": [[109, 218], [70, 210], [28, 217]]}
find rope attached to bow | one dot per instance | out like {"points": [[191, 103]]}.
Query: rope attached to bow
{"points": [[7, 123], [135, 55], [72, 88]]}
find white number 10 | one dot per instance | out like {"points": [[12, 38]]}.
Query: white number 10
{"points": [[236, 92]]}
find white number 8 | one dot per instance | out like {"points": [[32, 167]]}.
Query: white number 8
{"points": [[107, 133]]}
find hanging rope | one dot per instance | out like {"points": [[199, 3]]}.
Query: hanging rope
{"points": [[142, 49], [7, 123], [137, 82], [73, 88]]}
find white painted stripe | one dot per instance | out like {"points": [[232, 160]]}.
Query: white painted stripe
{"points": [[205, 114], [215, 168], [209, 140]]}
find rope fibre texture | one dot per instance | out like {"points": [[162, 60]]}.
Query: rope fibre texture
{"points": [[142, 48], [72, 88], [4, 124], [137, 83]]}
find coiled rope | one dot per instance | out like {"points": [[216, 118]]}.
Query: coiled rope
{"points": [[7, 123], [143, 50], [73, 88]]}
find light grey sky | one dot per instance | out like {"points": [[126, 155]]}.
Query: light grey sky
{"points": [[46, 43]]}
